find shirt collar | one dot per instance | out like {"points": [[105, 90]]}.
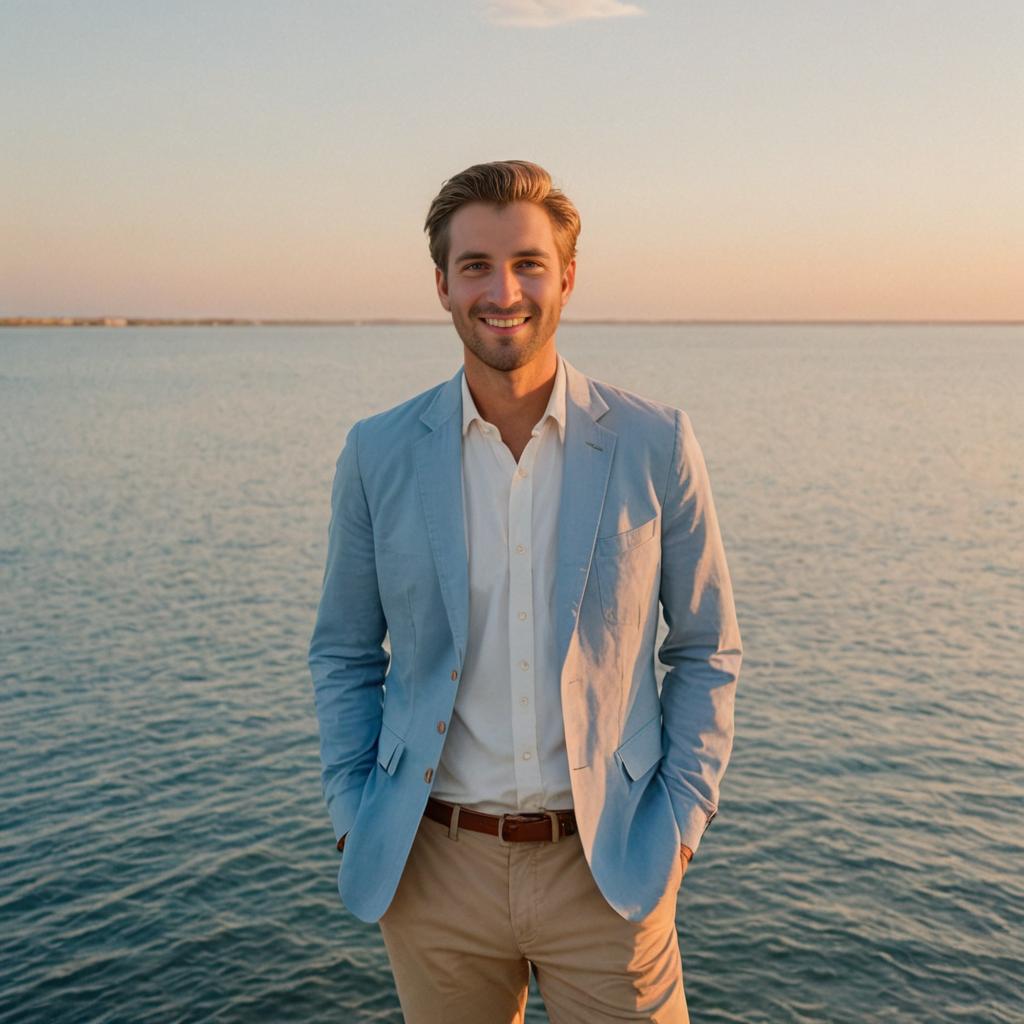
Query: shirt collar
{"points": [[555, 409]]}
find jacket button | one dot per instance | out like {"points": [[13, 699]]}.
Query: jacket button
{"points": [[440, 726], [455, 675], [428, 774]]}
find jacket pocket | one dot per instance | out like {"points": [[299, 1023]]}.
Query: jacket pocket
{"points": [[627, 573], [619, 542], [389, 749], [642, 751]]}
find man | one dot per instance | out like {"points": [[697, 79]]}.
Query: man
{"points": [[513, 791]]}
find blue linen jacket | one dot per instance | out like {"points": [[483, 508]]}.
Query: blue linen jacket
{"points": [[637, 530]]}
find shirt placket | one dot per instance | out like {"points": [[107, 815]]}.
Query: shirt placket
{"points": [[529, 789]]}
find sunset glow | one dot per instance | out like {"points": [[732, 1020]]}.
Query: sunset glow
{"points": [[730, 161]]}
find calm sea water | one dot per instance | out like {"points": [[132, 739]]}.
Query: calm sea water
{"points": [[164, 852]]}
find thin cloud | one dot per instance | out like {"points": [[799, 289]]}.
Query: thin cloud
{"points": [[545, 13]]}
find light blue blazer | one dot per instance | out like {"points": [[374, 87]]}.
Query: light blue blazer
{"points": [[637, 529]]}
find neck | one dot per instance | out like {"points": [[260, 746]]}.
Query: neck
{"points": [[513, 400]]}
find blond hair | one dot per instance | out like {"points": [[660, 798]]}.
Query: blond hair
{"points": [[501, 182]]}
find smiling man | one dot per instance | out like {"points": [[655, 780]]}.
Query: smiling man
{"points": [[510, 788]]}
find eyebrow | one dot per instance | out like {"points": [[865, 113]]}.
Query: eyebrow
{"points": [[521, 254]]}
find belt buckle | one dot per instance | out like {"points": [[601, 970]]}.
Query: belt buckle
{"points": [[552, 816]]}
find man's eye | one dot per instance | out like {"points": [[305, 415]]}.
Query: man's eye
{"points": [[474, 266], [531, 264]]}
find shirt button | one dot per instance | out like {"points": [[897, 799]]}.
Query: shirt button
{"points": [[524, 665], [455, 675], [428, 774], [524, 701], [520, 549], [441, 727], [522, 616], [527, 755], [522, 472]]}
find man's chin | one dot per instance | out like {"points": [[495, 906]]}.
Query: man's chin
{"points": [[505, 353], [504, 361]]}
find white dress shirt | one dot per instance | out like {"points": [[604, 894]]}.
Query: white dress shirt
{"points": [[505, 749]]}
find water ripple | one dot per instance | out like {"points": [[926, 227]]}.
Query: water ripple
{"points": [[165, 853]]}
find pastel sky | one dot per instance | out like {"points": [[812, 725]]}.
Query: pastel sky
{"points": [[855, 159]]}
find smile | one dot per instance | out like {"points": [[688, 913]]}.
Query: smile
{"points": [[491, 322]]}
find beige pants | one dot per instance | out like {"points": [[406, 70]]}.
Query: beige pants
{"points": [[471, 915]]}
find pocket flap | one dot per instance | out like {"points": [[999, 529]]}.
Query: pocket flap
{"points": [[642, 751], [389, 749], [619, 542]]}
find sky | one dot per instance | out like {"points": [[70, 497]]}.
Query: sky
{"points": [[764, 159]]}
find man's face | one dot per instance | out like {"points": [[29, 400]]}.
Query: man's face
{"points": [[505, 287]]}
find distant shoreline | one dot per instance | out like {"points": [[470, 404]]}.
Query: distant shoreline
{"points": [[138, 321]]}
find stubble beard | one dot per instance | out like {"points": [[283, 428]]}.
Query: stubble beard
{"points": [[514, 351]]}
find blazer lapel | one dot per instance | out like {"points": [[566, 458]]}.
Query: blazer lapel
{"points": [[439, 473], [588, 460]]}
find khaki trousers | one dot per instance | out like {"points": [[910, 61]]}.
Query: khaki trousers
{"points": [[472, 915]]}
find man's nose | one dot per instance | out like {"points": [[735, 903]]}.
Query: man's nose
{"points": [[504, 288]]}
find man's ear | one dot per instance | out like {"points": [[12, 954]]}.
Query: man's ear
{"points": [[441, 281], [568, 281]]}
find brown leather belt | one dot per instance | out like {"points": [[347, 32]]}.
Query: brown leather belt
{"points": [[536, 827]]}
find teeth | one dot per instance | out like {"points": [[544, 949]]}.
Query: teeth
{"points": [[506, 323]]}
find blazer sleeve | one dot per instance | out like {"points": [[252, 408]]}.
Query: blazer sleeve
{"points": [[702, 650], [346, 654]]}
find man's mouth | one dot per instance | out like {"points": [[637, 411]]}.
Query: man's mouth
{"points": [[504, 322]]}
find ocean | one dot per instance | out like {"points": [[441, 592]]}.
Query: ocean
{"points": [[165, 854]]}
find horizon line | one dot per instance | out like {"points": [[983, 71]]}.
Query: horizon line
{"points": [[217, 321]]}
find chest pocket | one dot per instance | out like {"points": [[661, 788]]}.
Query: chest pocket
{"points": [[626, 566]]}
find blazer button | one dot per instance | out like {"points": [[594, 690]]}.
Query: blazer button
{"points": [[455, 675], [428, 774], [440, 726]]}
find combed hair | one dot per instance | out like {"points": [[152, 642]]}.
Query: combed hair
{"points": [[501, 182]]}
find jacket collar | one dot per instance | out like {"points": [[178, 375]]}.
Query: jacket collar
{"points": [[579, 391]]}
